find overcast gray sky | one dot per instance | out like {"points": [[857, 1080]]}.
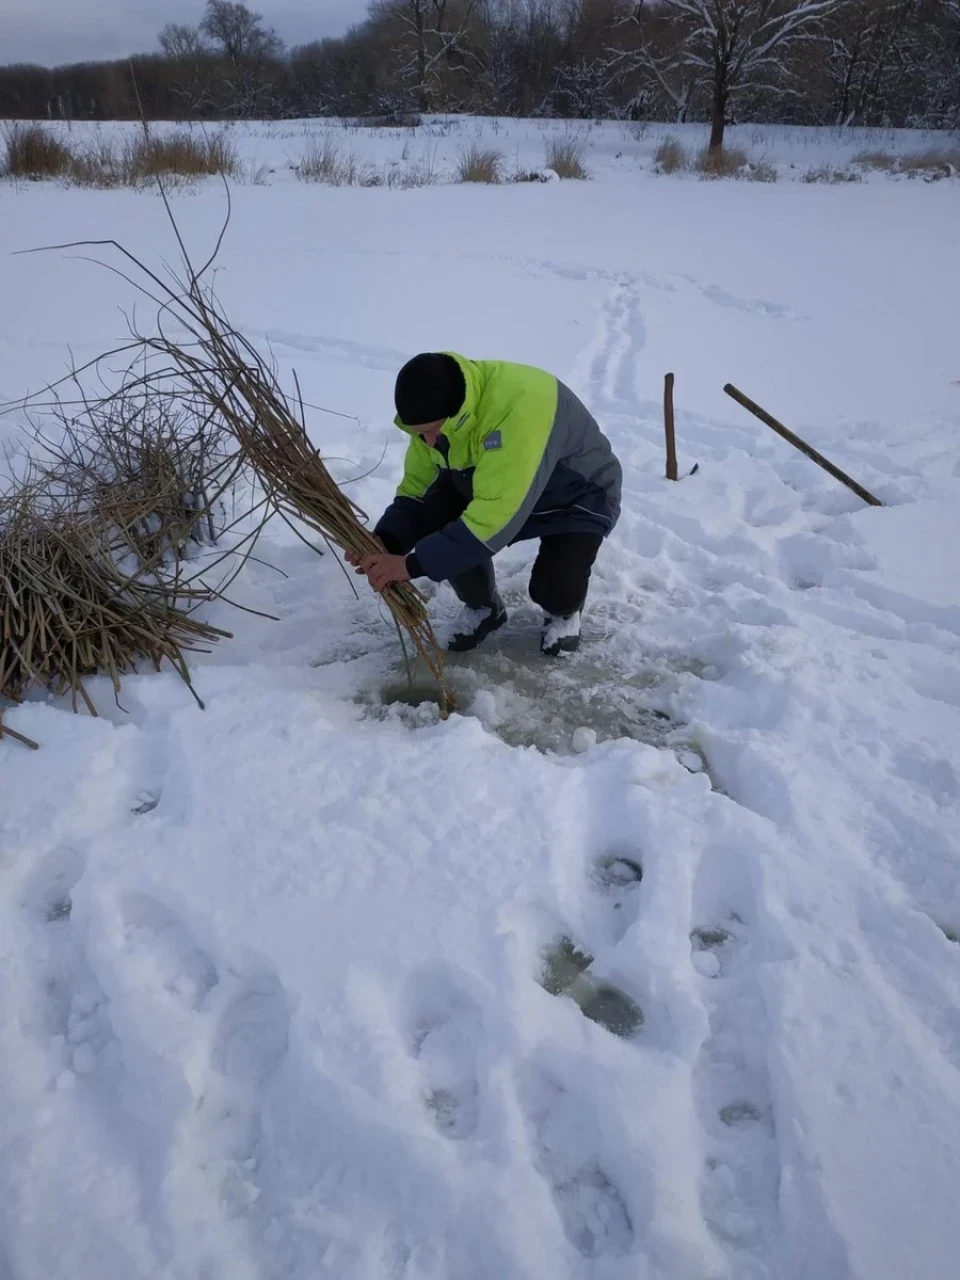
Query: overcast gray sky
{"points": [[55, 31]]}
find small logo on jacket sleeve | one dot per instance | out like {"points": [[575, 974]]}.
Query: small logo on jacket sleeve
{"points": [[493, 441]]}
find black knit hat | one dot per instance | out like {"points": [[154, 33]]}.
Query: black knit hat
{"points": [[430, 388]]}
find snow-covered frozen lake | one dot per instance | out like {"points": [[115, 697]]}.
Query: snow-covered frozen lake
{"points": [[277, 978]]}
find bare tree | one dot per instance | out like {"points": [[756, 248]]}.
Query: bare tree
{"points": [[869, 48], [585, 90], [239, 31], [661, 53], [890, 62], [525, 47], [246, 45], [951, 61], [731, 45], [433, 32], [179, 41], [193, 71]]}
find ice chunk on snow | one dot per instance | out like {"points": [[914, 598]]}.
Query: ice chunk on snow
{"points": [[706, 963]]}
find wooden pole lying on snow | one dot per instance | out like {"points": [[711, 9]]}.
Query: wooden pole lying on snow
{"points": [[802, 445], [668, 428], [7, 732]]}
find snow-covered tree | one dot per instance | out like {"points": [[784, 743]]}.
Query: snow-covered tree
{"points": [[951, 62], [433, 34], [868, 46], [524, 46], [727, 45], [585, 90]]}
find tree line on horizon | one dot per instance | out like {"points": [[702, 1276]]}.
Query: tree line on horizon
{"points": [[816, 62]]}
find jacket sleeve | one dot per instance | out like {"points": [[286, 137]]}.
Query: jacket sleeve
{"points": [[398, 527], [519, 456]]}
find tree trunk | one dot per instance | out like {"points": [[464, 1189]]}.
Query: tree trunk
{"points": [[422, 103], [718, 116], [718, 122]]}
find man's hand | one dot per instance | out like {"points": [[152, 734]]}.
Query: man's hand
{"points": [[353, 558], [383, 570]]}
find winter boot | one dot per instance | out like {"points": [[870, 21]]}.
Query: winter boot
{"points": [[472, 626], [560, 635]]}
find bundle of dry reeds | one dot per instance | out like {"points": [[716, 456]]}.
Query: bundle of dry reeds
{"points": [[274, 441], [68, 611]]}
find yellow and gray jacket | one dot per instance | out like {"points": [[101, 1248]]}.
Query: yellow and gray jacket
{"points": [[526, 458]]}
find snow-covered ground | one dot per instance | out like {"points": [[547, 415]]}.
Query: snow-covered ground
{"points": [[272, 996], [429, 154]]}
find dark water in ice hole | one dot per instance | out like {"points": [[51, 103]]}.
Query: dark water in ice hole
{"points": [[566, 972], [563, 705]]}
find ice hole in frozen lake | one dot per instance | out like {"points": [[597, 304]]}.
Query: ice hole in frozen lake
{"points": [[562, 705]]}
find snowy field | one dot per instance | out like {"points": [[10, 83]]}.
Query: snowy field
{"points": [[279, 979], [429, 154]]}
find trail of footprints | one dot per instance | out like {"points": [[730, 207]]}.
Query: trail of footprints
{"points": [[243, 1019], [172, 985], [445, 1038], [740, 1178], [71, 1008]]}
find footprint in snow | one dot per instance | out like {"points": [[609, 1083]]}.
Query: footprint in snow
{"points": [[739, 1113], [253, 1033], [153, 933], [250, 1040], [594, 1217], [738, 1189], [565, 971], [445, 1028], [590, 1207], [618, 878], [47, 889], [72, 1006], [709, 947], [146, 802]]}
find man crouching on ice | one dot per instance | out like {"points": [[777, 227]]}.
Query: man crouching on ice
{"points": [[498, 453]]}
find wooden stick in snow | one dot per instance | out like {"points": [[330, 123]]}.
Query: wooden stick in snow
{"points": [[668, 427], [802, 445], [7, 732]]}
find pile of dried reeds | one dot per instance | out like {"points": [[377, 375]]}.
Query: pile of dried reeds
{"points": [[139, 451], [220, 377], [98, 540], [69, 611], [92, 575]]}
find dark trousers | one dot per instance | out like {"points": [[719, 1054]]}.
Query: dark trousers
{"points": [[558, 582], [561, 571]]}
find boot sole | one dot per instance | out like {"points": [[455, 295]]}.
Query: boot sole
{"points": [[463, 644]]}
